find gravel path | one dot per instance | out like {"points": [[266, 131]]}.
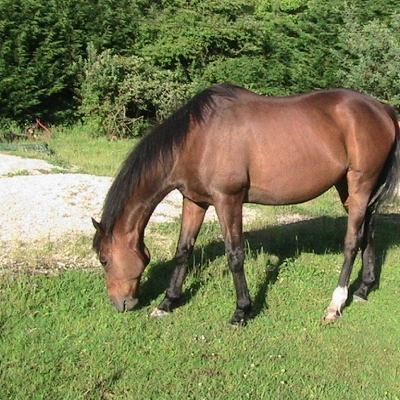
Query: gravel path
{"points": [[36, 203]]}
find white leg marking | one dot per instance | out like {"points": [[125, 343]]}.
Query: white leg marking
{"points": [[339, 298]]}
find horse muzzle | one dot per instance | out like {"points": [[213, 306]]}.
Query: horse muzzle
{"points": [[123, 304]]}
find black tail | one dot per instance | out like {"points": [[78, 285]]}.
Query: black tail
{"points": [[387, 186]]}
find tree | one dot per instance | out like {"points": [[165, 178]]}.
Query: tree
{"points": [[147, 57], [42, 45]]}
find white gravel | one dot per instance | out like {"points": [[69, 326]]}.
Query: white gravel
{"points": [[17, 165], [47, 206], [36, 205]]}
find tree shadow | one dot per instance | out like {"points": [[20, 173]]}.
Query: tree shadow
{"points": [[321, 235]]}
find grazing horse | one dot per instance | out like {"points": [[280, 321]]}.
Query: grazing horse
{"points": [[228, 146]]}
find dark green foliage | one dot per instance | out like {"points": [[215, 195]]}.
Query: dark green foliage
{"points": [[42, 44], [120, 94], [370, 58], [148, 57]]}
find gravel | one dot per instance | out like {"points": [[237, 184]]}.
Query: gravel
{"points": [[36, 203], [47, 206], [45, 209]]}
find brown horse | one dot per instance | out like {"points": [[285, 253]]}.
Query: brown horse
{"points": [[228, 146]]}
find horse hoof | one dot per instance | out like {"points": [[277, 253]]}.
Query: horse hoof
{"points": [[359, 299], [332, 316], [237, 324], [157, 313]]}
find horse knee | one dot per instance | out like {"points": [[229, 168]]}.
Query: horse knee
{"points": [[236, 260], [182, 255]]}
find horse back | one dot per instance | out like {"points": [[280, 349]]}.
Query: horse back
{"points": [[284, 150]]}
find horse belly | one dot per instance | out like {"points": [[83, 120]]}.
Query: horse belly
{"points": [[283, 196], [285, 184]]}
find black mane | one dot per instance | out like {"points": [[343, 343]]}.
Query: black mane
{"points": [[158, 146]]}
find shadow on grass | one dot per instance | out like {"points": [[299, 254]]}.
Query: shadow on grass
{"points": [[322, 235]]}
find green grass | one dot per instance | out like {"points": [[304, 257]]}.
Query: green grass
{"points": [[75, 149], [93, 156], [60, 337]]}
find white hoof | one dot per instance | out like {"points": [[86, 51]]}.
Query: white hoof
{"points": [[331, 316], [334, 311], [157, 313]]}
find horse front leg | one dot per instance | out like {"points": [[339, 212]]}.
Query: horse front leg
{"points": [[229, 212], [192, 219]]}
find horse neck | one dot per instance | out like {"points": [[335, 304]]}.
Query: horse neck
{"points": [[141, 204]]}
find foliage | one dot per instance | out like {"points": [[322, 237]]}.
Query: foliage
{"points": [[119, 92], [370, 57], [42, 44], [190, 38], [122, 65]]}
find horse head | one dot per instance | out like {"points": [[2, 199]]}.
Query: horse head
{"points": [[124, 259]]}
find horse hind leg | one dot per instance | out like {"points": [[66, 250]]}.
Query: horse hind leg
{"points": [[192, 219], [369, 278], [340, 294], [356, 204], [367, 247]]}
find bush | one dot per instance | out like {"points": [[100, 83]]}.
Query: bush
{"points": [[123, 95], [370, 58]]}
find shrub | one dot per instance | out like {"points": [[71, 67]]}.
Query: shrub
{"points": [[370, 58], [123, 95]]}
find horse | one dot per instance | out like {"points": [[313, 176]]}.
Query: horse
{"points": [[228, 146]]}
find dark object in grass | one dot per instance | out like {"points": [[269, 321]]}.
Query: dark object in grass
{"points": [[38, 147]]}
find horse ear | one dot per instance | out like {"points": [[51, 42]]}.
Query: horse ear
{"points": [[99, 228]]}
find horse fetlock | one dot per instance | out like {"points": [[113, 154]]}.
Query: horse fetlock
{"points": [[361, 294], [237, 322], [169, 304], [240, 316]]}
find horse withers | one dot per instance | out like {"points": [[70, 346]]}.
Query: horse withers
{"points": [[228, 146]]}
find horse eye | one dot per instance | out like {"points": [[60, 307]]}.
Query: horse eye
{"points": [[103, 263]]}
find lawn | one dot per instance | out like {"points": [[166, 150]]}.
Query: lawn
{"points": [[62, 339]]}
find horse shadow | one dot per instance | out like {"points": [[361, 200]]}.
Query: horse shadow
{"points": [[321, 235]]}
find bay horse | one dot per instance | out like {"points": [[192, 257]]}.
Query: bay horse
{"points": [[228, 146]]}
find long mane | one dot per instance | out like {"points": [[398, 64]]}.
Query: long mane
{"points": [[158, 146]]}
